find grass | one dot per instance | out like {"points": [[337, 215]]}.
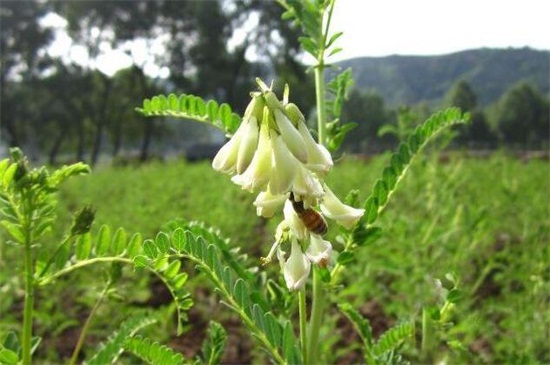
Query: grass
{"points": [[487, 221]]}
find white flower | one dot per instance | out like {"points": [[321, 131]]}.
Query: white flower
{"points": [[226, 158], [249, 142], [258, 172], [297, 227], [296, 269], [343, 214], [306, 183], [283, 167], [319, 250], [319, 159], [267, 204], [292, 138]]}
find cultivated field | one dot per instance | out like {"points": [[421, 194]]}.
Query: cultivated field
{"points": [[486, 221]]}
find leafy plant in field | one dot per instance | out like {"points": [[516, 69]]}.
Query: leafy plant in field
{"points": [[270, 152], [273, 153]]}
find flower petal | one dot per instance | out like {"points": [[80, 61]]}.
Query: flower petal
{"points": [[296, 269], [343, 214], [248, 144], [284, 167], [258, 172], [319, 158], [292, 138], [226, 158], [319, 250], [306, 184], [267, 204]]}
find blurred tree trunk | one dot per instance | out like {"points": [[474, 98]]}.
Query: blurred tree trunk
{"points": [[54, 151], [146, 142], [100, 120]]}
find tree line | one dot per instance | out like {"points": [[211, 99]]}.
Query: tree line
{"points": [[53, 106], [520, 119]]}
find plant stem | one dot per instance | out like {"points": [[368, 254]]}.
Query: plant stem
{"points": [[427, 336], [303, 324], [26, 341], [84, 331], [320, 98], [316, 318]]}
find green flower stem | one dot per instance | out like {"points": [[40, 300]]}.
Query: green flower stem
{"points": [[316, 318], [29, 298], [318, 290], [320, 97], [303, 324], [84, 331], [427, 336]]}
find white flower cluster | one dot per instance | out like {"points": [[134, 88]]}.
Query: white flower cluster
{"points": [[273, 153]]}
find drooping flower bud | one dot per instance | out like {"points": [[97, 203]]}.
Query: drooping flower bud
{"points": [[296, 269], [292, 138], [319, 250], [248, 145], [284, 167], [226, 159], [255, 107], [82, 221], [258, 172], [319, 159], [343, 214]]}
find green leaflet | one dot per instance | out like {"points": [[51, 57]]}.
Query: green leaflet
{"points": [[110, 350], [236, 286], [377, 352], [152, 352], [214, 345], [393, 338], [401, 160], [192, 107]]}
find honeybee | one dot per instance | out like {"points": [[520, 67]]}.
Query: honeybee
{"points": [[313, 221]]}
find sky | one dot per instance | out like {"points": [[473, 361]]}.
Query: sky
{"points": [[387, 27], [432, 27]]}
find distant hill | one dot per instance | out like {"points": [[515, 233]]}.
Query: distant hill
{"points": [[413, 79]]}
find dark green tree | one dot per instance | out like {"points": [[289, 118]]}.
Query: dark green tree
{"points": [[22, 41], [462, 96], [522, 117], [368, 110], [478, 133]]}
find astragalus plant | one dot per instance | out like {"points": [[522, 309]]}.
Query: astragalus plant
{"points": [[272, 153]]}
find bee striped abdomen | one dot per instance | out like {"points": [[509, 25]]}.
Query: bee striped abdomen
{"points": [[312, 219]]}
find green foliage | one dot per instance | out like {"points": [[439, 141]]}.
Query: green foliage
{"points": [[384, 187], [310, 16], [523, 116], [152, 352], [383, 350], [233, 282], [362, 326], [192, 107], [214, 345], [401, 159], [110, 350], [392, 339], [337, 92], [26, 199]]}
